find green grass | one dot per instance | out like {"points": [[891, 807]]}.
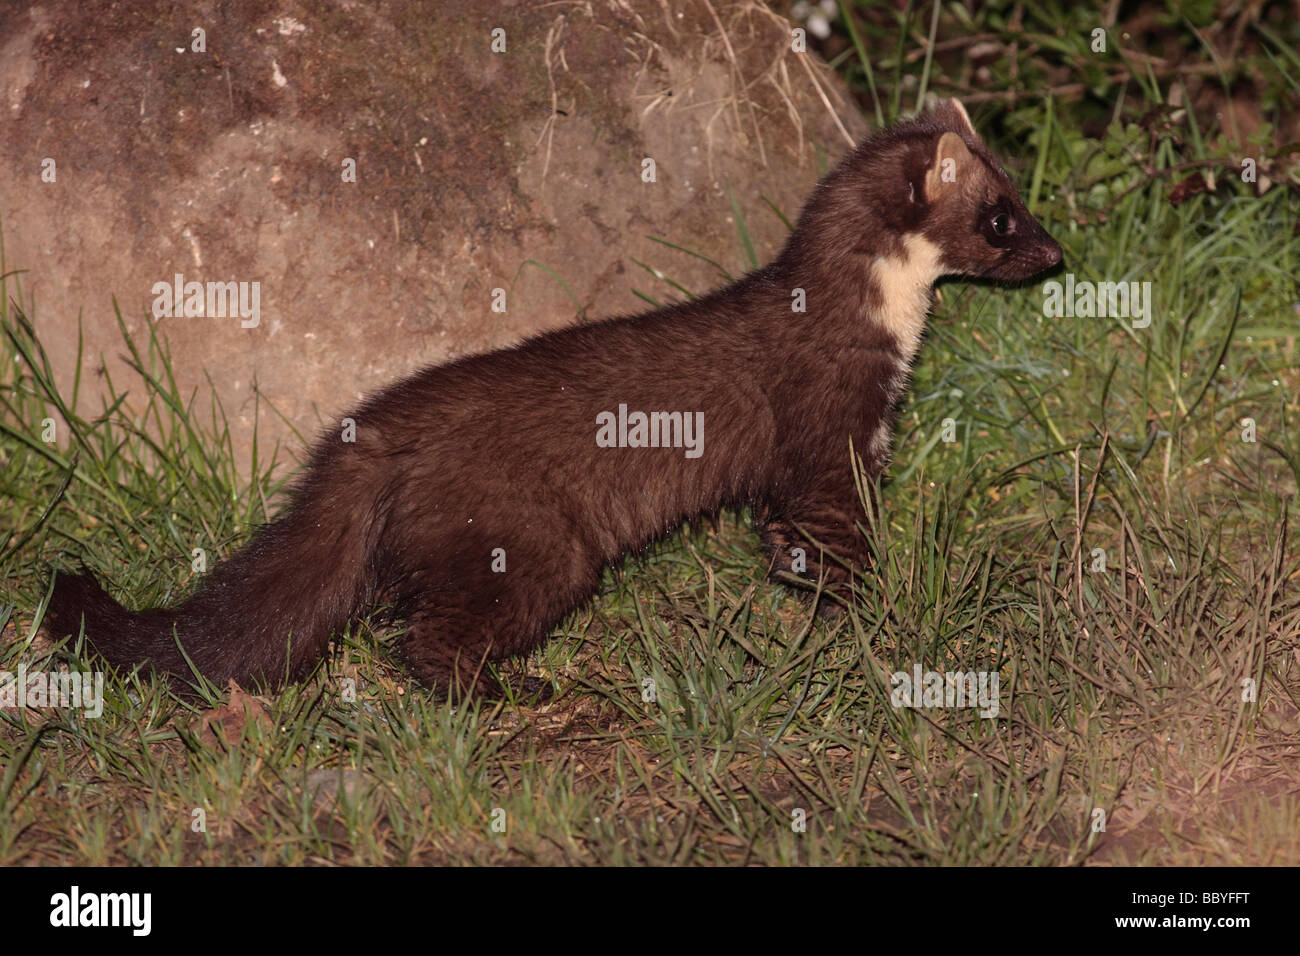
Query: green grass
{"points": [[1121, 690]]}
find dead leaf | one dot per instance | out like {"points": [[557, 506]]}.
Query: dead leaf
{"points": [[225, 724]]}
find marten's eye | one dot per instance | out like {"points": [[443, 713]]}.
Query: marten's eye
{"points": [[1003, 224]]}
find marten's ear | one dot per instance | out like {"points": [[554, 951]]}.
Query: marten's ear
{"points": [[951, 164], [959, 114]]}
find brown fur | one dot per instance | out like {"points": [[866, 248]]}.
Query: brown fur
{"points": [[498, 451]]}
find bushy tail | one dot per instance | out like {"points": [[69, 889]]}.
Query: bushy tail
{"points": [[261, 617]]}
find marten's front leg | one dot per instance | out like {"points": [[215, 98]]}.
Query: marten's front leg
{"points": [[816, 538]]}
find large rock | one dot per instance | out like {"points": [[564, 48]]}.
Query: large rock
{"points": [[475, 170]]}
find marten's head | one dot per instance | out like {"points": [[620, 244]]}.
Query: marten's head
{"points": [[965, 203], [929, 194]]}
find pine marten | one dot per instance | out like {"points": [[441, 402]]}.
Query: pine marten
{"points": [[482, 498]]}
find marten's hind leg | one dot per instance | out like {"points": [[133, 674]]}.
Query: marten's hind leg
{"points": [[452, 638], [448, 649], [464, 616]]}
